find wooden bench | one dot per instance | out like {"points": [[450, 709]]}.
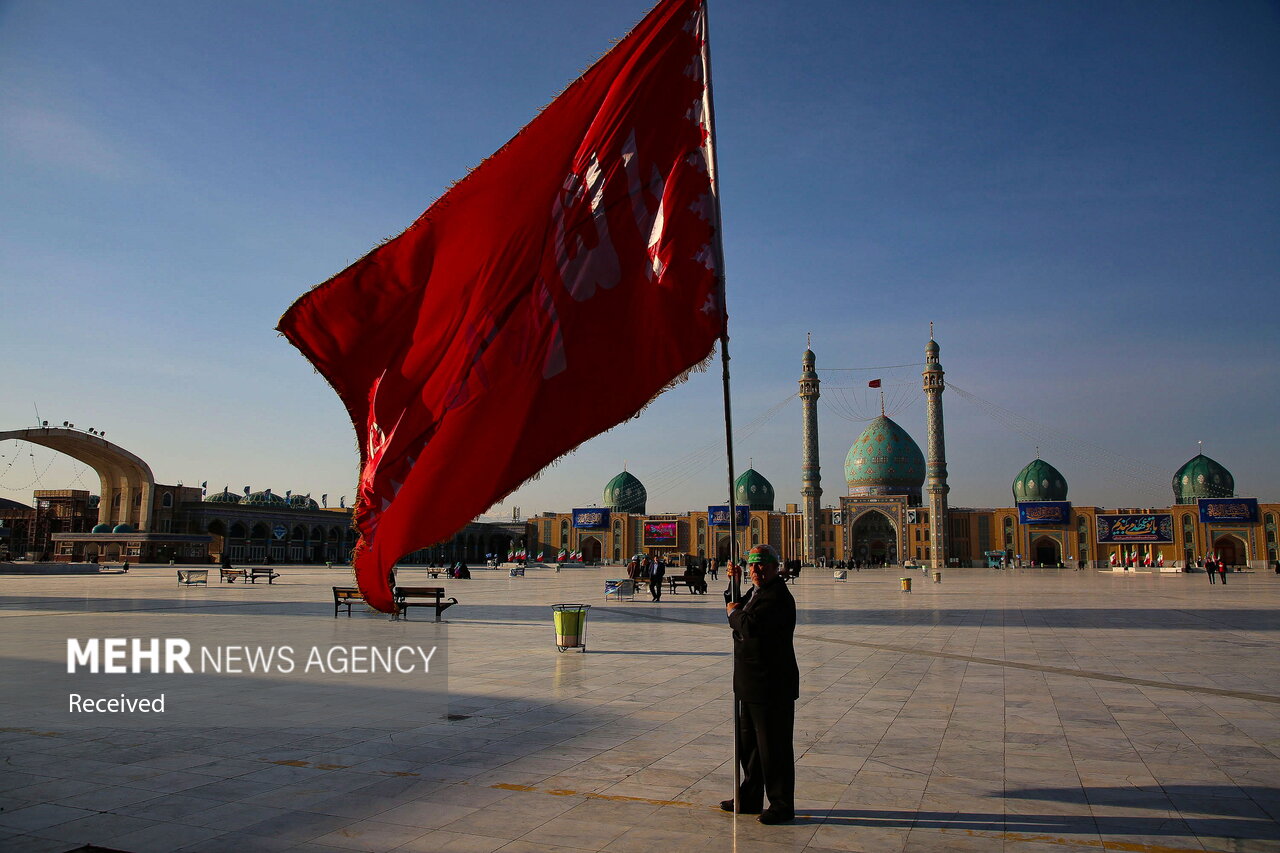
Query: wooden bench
{"points": [[421, 596], [673, 581], [193, 576], [230, 575], [345, 596], [263, 572]]}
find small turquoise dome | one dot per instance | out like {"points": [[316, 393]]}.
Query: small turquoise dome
{"points": [[1202, 477], [885, 460], [302, 502], [222, 497], [101, 528], [624, 493], [1039, 481], [752, 490], [123, 528], [265, 498]]}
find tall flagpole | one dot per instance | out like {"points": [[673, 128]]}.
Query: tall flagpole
{"points": [[718, 249]]}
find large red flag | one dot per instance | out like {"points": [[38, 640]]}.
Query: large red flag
{"points": [[543, 299]]}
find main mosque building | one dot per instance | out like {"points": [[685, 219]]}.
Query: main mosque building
{"points": [[895, 509]]}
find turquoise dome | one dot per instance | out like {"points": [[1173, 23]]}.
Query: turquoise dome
{"points": [[752, 490], [1202, 477], [302, 502], [222, 497], [101, 528], [1039, 481], [624, 493], [885, 460], [123, 528], [263, 499]]}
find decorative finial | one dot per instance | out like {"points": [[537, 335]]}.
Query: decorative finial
{"points": [[1037, 451], [882, 402], [1200, 445], [808, 340], [930, 330]]}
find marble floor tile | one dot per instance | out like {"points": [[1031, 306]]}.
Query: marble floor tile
{"points": [[971, 716]]}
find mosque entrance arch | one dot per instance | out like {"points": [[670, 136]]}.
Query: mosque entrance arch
{"points": [[722, 548], [874, 539], [1046, 551], [590, 549], [1231, 550]]}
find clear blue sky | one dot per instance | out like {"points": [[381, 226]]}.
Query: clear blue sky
{"points": [[1084, 196]]}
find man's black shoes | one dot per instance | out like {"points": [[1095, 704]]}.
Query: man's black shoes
{"points": [[771, 817], [727, 806]]}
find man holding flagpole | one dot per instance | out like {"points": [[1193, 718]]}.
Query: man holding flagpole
{"points": [[766, 684]]}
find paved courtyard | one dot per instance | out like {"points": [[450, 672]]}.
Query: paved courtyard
{"points": [[1028, 711]]}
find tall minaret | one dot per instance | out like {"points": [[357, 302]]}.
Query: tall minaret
{"points": [[810, 472], [936, 467]]}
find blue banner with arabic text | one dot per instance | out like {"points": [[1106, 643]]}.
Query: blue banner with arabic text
{"points": [[1154, 527], [718, 516], [1228, 509], [591, 517], [1044, 512]]}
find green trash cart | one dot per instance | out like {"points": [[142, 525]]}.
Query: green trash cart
{"points": [[571, 625]]}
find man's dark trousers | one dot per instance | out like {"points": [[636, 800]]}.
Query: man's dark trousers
{"points": [[767, 755]]}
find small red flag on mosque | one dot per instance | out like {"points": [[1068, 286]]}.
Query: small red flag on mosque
{"points": [[874, 383], [572, 271]]}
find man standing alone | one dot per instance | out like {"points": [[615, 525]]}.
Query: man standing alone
{"points": [[766, 683], [657, 572]]}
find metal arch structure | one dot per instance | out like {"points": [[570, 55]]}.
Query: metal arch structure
{"points": [[121, 474]]}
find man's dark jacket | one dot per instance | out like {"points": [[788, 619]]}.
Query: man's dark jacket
{"points": [[764, 660]]}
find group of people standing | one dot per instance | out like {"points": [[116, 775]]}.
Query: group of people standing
{"points": [[1215, 567]]}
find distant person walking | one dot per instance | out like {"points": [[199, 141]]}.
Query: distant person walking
{"points": [[1211, 570], [1222, 570]]}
